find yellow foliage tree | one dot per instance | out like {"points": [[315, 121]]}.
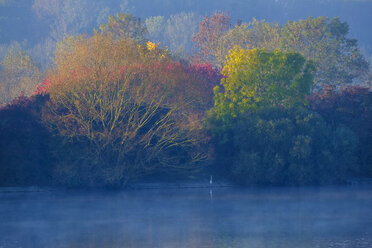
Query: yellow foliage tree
{"points": [[258, 78]]}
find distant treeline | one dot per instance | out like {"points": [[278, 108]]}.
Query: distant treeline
{"points": [[36, 25], [256, 103]]}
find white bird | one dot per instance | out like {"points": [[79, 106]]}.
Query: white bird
{"points": [[211, 180]]}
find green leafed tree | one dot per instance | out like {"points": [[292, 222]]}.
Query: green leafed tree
{"points": [[258, 78], [261, 131], [283, 146], [324, 41]]}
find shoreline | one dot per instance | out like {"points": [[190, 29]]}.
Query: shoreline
{"points": [[170, 186]]}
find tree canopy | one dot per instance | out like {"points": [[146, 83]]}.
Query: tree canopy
{"points": [[123, 26], [19, 74], [257, 78], [324, 41], [127, 108]]}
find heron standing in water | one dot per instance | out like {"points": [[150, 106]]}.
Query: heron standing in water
{"points": [[210, 190]]}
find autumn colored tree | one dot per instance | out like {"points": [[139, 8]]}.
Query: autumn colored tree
{"points": [[153, 52], [75, 56], [103, 55], [128, 133], [262, 133], [257, 78], [124, 112], [42, 88], [261, 130], [211, 29], [212, 73]]}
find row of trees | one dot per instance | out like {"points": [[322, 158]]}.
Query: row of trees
{"points": [[116, 108], [262, 130], [41, 18], [46, 23], [337, 58], [324, 41]]}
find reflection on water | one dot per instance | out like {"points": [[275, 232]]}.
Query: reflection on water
{"points": [[282, 217]]}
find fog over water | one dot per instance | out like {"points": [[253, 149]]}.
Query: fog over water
{"points": [[222, 217]]}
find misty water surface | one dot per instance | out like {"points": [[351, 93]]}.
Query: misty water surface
{"points": [[224, 217]]}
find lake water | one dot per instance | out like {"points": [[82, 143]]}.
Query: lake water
{"points": [[222, 217]]}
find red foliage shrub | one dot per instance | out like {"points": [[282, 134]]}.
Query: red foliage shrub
{"points": [[42, 88], [211, 73]]}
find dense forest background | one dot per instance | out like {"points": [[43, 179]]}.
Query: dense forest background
{"points": [[37, 25], [104, 93]]}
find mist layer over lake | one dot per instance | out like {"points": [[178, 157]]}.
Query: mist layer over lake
{"points": [[222, 217]]}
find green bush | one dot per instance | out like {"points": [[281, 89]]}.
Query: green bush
{"points": [[278, 146]]}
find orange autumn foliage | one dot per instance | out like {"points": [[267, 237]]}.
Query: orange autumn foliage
{"points": [[134, 109]]}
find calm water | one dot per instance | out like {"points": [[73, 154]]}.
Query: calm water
{"points": [[283, 217]]}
